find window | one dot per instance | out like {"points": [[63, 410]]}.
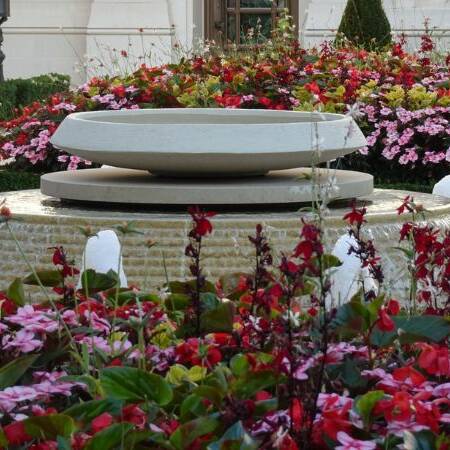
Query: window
{"points": [[230, 21]]}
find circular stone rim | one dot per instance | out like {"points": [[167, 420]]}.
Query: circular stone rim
{"points": [[127, 186]]}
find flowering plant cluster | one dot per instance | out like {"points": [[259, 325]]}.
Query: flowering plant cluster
{"points": [[259, 360], [401, 100]]}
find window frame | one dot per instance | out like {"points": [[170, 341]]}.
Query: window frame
{"points": [[216, 14]]}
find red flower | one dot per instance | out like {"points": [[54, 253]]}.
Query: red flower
{"points": [[296, 414], [409, 373], [304, 249], [393, 307], [119, 91], [313, 88], [398, 408], [16, 434], [203, 226], [101, 422], [287, 443], [435, 359], [385, 323], [229, 101], [406, 205], [265, 101], [355, 216], [134, 414]]}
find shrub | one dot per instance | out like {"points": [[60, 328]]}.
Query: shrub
{"points": [[17, 93], [365, 23], [13, 180]]}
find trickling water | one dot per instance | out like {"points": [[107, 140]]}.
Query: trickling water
{"points": [[46, 222]]}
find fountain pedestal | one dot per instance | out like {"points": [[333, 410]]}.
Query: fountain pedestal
{"points": [[45, 222], [126, 186]]}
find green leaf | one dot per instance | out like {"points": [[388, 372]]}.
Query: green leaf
{"points": [[191, 407], [218, 320], [235, 438], [63, 443], [11, 372], [3, 439], [88, 411], [246, 387], [16, 293], [134, 385], [110, 437], [49, 278], [178, 302], [365, 404], [50, 427], [349, 373], [239, 365], [96, 282], [330, 261], [423, 440], [188, 432], [413, 329], [209, 301]]}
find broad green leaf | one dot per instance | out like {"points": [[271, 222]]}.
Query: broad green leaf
{"points": [[96, 282], [246, 387], [110, 437], [50, 427], [88, 411], [192, 407], [188, 432], [218, 320], [330, 261], [49, 278], [236, 438], [178, 302], [16, 293], [239, 365], [63, 443], [423, 440], [210, 393], [134, 385], [209, 301], [413, 329], [364, 405], [10, 373]]}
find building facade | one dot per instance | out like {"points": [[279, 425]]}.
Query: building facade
{"points": [[78, 37]]}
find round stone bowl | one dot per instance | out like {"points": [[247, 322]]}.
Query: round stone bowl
{"points": [[208, 142]]}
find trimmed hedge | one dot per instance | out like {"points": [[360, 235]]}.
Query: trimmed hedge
{"points": [[17, 93], [13, 180], [365, 23]]}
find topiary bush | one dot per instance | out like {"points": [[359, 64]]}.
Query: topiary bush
{"points": [[17, 93], [365, 23]]}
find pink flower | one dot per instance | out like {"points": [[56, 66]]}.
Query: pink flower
{"points": [[23, 341], [11, 396], [348, 443]]}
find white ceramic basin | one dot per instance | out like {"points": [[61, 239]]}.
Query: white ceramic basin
{"points": [[208, 142]]}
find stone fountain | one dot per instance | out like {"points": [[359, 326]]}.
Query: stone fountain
{"points": [[252, 166], [206, 157]]}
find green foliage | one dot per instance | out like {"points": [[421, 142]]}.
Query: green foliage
{"points": [[134, 385], [365, 23], [17, 93], [11, 372], [12, 180]]}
